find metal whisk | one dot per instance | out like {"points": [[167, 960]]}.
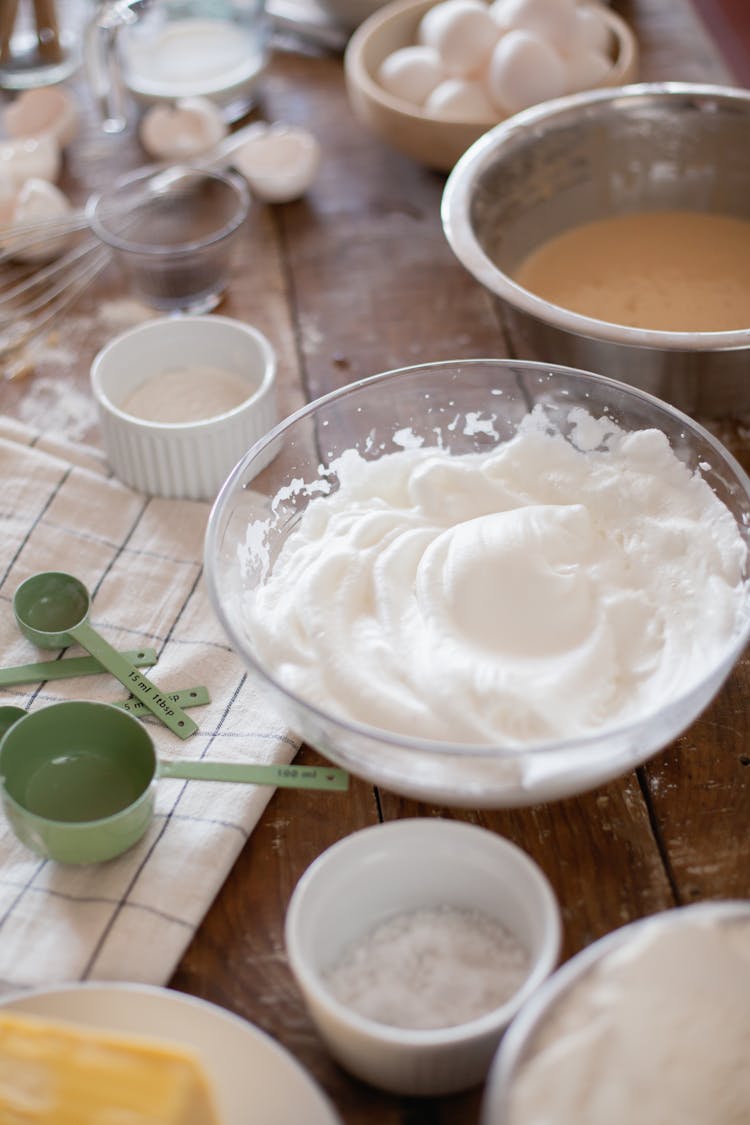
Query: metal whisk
{"points": [[33, 297]]}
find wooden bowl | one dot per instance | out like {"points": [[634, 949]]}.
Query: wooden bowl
{"points": [[435, 141]]}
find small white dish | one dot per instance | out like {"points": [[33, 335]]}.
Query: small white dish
{"points": [[402, 866], [186, 459], [252, 1075]]}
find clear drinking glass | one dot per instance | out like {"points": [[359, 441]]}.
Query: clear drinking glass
{"points": [[40, 41], [173, 233], [159, 50]]}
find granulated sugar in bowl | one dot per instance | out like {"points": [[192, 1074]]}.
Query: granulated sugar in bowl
{"points": [[414, 944], [486, 582]]}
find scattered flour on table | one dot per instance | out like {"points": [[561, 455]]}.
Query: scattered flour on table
{"points": [[50, 405], [124, 312]]}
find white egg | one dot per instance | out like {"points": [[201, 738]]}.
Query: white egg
{"points": [[35, 200], [429, 27], [463, 33], [524, 70], [46, 110], [279, 163], [592, 30], [25, 157], [411, 73], [188, 128], [554, 21], [586, 68], [463, 99]]}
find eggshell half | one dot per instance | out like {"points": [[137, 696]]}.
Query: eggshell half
{"points": [[25, 157], [48, 110], [279, 163], [35, 201], [189, 127]]}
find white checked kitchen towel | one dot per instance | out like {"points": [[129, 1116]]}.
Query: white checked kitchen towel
{"points": [[130, 918]]}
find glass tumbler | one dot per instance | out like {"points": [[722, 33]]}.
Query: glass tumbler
{"points": [[40, 41], [172, 233]]}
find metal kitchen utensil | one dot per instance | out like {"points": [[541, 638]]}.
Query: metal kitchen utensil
{"points": [[52, 608], [78, 779]]}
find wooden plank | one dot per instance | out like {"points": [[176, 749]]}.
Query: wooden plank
{"points": [[700, 793], [597, 850]]}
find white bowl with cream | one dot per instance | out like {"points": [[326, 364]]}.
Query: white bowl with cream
{"points": [[371, 896], [650, 1024], [181, 400]]}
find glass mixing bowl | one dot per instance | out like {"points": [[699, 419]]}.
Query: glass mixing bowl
{"points": [[465, 406]]}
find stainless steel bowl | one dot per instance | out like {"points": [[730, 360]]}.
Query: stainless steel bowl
{"points": [[643, 147]]}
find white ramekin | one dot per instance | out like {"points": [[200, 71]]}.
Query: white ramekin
{"points": [[406, 865], [189, 460]]}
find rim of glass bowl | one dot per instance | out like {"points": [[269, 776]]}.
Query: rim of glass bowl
{"points": [[447, 748], [455, 213], [519, 1037], [150, 249]]}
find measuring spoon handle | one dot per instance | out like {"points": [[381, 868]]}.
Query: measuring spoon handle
{"points": [[139, 685], [186, 697], [289, 777], [69, 667]]}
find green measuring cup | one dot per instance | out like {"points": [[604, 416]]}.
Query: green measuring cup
{"points": [[52, 610], [78, 779]]}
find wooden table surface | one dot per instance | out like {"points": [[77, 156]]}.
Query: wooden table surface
{"points": [[356, 279]]}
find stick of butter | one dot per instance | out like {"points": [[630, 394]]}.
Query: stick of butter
{"points": [[61, 1073]]}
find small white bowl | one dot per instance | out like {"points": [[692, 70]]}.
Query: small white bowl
{"points": [[402, 866], [191, 459]]}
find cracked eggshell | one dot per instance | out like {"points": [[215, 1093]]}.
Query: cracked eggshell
{"points": [[46, 110], [524, 70], [411, 73], [189, 127], [35, 200], [25, 158], [279, 163]]}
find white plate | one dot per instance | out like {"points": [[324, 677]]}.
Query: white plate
{"points": [[254, 1078]]}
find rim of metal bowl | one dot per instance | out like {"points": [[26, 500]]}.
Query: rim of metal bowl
{"points": [[523, 1029], [423, 745], [455, 213]]}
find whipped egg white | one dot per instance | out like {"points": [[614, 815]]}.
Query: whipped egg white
{"points": [[541, 590]]}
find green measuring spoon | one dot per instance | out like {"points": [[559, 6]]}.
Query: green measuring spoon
{"points": [[69, 668], [52, 610], [187, 697], [78, 779]]}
